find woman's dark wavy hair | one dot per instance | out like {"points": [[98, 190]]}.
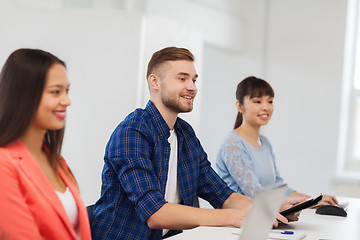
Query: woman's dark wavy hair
{"points": [[252, 87], [22, 81]]}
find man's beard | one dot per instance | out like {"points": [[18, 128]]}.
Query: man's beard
{"points": [[173, 104]]}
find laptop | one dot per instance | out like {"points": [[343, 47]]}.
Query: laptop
{"points": [[257, 224], [263, 210]]}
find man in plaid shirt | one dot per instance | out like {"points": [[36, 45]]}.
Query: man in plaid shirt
{"points": [[155, 166]]}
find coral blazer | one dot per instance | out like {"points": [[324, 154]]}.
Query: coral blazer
{"points": [[29, 205]]}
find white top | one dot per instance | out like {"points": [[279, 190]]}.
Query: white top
{"points": [[172, 193], [69, 204]]}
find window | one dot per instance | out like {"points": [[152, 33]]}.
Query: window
{"points": [[349, 135]]}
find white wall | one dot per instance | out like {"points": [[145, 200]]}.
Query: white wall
{"points": [[102, 61], [297, 45], [223, 70], [305, 51], [218, 27], [106, 52]]}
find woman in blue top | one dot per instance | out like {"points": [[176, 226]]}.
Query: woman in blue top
{"points": [[245, 160]]}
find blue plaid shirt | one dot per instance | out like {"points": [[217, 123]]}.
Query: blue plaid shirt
{"points": [[135, 174]]}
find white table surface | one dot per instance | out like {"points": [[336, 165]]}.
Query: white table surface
{"points": [[313, 225]]}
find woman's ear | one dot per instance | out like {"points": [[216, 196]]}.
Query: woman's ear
{"points": [[154, 81], [239, 106]]}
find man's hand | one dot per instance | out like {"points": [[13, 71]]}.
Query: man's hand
{"points": [[236, 216]]}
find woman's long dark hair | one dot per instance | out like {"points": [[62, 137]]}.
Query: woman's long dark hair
{"points": [[252, 87], [22, 81]]}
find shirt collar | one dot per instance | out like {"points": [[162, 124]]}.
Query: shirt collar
{"points": [[159, 122]]}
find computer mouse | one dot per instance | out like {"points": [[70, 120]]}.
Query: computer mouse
{"points": [[331, 210]]}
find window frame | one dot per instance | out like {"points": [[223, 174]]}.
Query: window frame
{"points": [[348, 166]]}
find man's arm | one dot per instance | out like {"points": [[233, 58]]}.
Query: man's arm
{"points": [[233, 212], [236, 200], [212, 188], [178, 217]]}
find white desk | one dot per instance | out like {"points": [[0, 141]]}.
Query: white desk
{"points": [[313, 225]]}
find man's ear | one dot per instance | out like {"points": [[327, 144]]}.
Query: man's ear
{"points": [[154, 81], [239, 106]]}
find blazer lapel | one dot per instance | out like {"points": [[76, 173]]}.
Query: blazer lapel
{"points": [[33, 171]]}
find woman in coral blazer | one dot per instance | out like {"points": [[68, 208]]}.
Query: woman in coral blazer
{"points": [[39, 196]]}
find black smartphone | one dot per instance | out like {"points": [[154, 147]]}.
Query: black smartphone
{"points": [[302, 206]]}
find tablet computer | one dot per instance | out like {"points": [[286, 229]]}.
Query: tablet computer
{"points": [[302, 206]]}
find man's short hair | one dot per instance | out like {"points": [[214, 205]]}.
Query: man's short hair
{"points": [[168, 54]]}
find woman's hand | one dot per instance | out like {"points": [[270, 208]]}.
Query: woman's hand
{"points": [[327, 200]]}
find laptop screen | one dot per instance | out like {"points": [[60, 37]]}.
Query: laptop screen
{"points": [[263, 210]]}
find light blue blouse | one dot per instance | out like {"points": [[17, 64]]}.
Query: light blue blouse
{"points": [[247, 169]]}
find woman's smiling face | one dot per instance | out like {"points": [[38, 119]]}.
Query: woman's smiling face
{"points": [[51, 112], [257, 110]]}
